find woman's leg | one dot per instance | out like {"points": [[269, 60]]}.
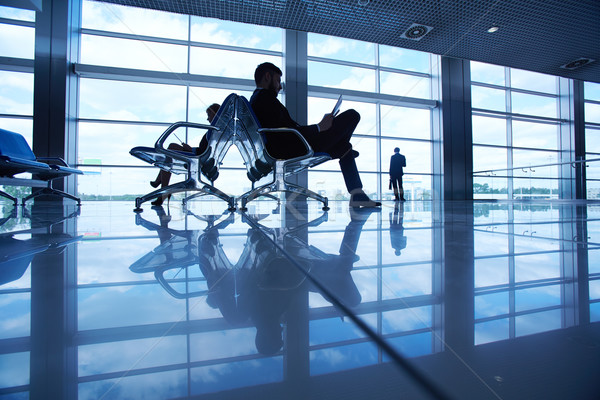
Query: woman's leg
{"points": [[164, 177]]}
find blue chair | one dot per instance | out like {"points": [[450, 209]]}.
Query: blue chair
{"points": [[16, 157]]}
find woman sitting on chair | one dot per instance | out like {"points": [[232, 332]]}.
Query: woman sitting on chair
{"points": [[164, 177]]}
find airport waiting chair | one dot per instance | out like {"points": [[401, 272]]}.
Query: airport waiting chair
{"points": [[251, 142], [16, 157], [194, 166]]}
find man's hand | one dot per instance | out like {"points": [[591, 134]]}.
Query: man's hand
{"points": [[325, 122]]}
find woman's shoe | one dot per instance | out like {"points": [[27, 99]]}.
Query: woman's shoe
{"points": [[159, 200], [155, 183]]}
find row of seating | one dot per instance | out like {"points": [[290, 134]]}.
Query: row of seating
{"points": [[16, 157], [234, 124]]}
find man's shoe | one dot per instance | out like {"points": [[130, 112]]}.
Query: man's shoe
{"points": [[362, 200]]}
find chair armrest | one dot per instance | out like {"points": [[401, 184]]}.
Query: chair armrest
{"points": [[309, 149], [159, 145]]}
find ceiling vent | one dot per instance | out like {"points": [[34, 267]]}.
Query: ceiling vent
{"points": [[580, 62], [416, 32]]}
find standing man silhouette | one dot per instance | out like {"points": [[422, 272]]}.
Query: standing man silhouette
{"points": [[397, 162]]}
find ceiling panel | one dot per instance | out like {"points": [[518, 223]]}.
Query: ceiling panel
{"points": [[536, 35]]}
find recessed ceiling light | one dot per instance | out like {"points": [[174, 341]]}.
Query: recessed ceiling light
{"points": [[363, 2], [416, 32], [580, 62], [493, 29]]}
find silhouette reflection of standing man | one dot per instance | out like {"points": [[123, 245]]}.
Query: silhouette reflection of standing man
{"points": [[397, 237]]}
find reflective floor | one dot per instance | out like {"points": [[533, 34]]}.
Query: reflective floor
{"points": [[421, 300]]}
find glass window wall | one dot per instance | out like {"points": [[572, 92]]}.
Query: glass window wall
{"points": [[132, 106], [591, 94], [515, 133], [386, 85]]}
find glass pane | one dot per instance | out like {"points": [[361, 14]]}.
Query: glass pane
{"points": [[525, 159], [529, 134], [405, 85], [340, 76], [410, 60], [124, 53], [131, 101], [591, 91], [109, 144], [133, 20], [489, 130], [592, 113], [105, 183], [534, 105], [405, 122], [531, 188], [17, 41], [418, 155], [490, 187], [121, 356], [490, 271], [16, 93], [533, 81], [488, 99], [14, 370], [487, 73], [491, 331], [491, 305], [536, 266], [16, 307], [338, 48], [128, 306], [16, 13], [491, 243], [231, 33], [145, 386], [407, 319], [489, 158], [533, 298], [539, 322], [593, 187], [226, 63]]}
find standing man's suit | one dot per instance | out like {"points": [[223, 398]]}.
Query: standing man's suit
{"points": [[397, 163]]}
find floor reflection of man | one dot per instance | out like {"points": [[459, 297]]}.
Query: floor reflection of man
{"points": [[260, 288], [397, 238]]}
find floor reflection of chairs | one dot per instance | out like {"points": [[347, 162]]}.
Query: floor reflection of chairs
{"points": [[16, 254]]}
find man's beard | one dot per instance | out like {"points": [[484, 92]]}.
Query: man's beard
{"points": [[272, 87]]}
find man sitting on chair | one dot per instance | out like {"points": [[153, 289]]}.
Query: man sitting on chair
{"points": [[331, 135]]}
